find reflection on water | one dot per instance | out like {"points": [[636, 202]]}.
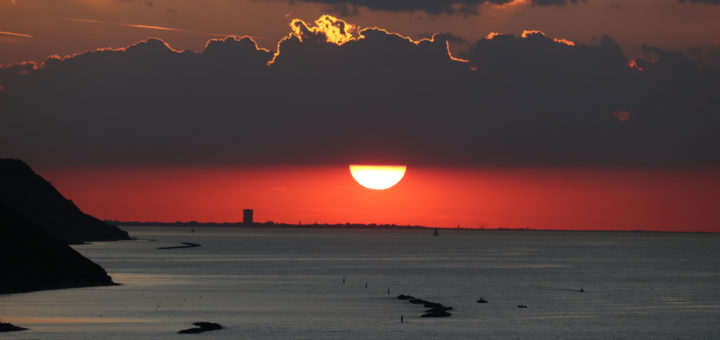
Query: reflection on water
{"points": [[47, 320], [284, 283]]}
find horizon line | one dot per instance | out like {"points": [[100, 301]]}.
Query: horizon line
{"points": [[386, 225]]}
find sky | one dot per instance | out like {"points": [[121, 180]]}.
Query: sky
{"points": [[490, 103]]}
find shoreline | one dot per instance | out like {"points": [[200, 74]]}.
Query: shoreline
{"points": [[348, 226]]}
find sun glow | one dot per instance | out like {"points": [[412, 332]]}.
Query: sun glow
{"points": [[377, 177], [528, 33], [336, 30]]}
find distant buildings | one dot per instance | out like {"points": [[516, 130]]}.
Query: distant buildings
{"points": [[247, 216]]}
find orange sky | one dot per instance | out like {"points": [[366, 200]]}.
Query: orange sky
{"points": [[657, 199], [592, 198]]}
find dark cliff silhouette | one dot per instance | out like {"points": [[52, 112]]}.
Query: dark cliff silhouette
{"points": [[31, 259], [38, 202]]}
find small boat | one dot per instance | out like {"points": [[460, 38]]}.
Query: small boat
{"points": [[192, 229], [435, 233], [482, 300]]}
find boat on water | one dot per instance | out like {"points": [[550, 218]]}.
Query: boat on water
{"points": [[435, 233]]}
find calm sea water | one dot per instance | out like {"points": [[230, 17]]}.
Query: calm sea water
{"points": [[282, 283]]}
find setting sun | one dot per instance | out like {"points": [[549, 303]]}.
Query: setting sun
{"points": [[377, 177]]}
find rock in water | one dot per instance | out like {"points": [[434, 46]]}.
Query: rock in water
{"points": [[436, 314], [440, 308], [202, 326], [418, 301], [37, 202], [436, 310], [8, 327], [184, 245], [31, 259]]}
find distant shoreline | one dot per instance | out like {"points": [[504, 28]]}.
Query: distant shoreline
{"points": [[371, 226], [271, 225]]}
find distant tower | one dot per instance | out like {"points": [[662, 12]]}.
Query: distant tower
{"points": [[247, 216]]}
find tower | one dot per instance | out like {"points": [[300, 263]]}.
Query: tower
{"points": [[247, 216]]}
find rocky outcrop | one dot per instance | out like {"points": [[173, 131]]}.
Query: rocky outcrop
{"points": [[184, 245], [435, 310], [435, 314], [31, 259], [8, 327], [39, 203], [202, 326]]}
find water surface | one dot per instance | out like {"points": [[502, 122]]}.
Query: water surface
{"points": [[285, 283]]}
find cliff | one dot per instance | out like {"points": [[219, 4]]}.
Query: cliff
{"points": [[39, 203], [31, 259]]}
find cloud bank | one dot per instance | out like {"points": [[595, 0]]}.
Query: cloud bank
{"points": [[446, 7], [432, 7], [335, 94], [712, 2]]}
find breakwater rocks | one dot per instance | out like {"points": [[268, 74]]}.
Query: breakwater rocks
{"points": [[435, 310], [184, 245], [202, 326]]}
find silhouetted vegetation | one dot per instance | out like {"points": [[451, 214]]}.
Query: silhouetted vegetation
{"points": [[31, 259], [39, 203]]}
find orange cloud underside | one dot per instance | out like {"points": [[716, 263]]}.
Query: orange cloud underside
{"points": [[682, 200]]}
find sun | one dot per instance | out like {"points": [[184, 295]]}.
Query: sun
{"points": [[377, 177]]}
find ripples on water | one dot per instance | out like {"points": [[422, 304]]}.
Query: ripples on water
{"points": [[282, 283]]}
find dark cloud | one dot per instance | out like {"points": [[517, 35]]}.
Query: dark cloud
{"points": [[384, 98], [147, 3], [349, 8], [445, 36], [712, 2], [555, 2], [464, 7]]}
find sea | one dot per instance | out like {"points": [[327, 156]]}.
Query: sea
{"points": [[302, 283]]}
